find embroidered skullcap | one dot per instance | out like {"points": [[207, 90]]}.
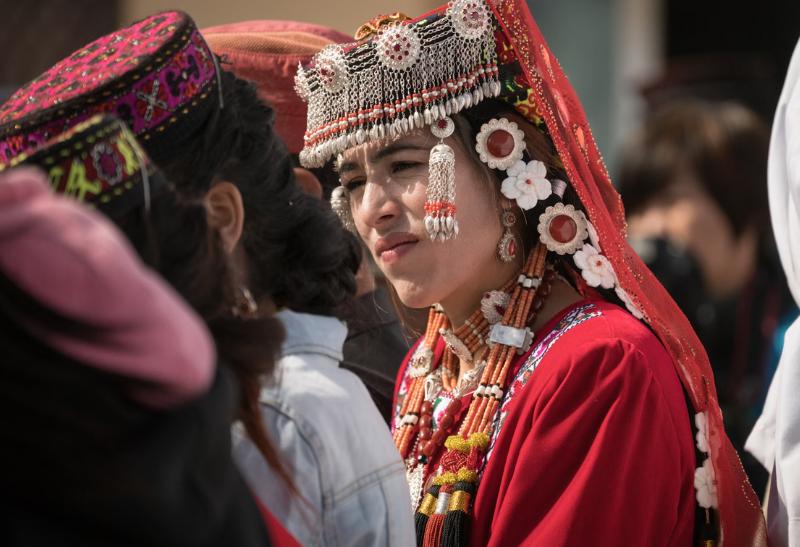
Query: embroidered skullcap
{"points": [[156, 75], [267, 53], [76, 264], [98, 162]]}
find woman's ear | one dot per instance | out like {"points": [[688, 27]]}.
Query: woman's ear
{"points": [[226, 213]]}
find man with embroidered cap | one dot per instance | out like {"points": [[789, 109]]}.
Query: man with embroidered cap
{"points": [[341, 464]]}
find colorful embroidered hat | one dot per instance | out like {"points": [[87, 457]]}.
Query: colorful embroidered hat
{"points": [[152, 75], [267, 53], [405, 74], [97, 162]]}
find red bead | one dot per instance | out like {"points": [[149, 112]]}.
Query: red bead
{"points": [[500, 143], [446, 421], [425, 421], [425, 433], [429, 448], [563, 228], [512, 247], [453, 408], [427, 407]]}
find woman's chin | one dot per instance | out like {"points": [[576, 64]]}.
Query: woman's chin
{"points": [[414, 296]]}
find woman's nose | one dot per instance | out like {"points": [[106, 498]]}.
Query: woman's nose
{"points": [[377, 207]]}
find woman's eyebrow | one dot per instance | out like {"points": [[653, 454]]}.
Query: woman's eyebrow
{"points": [[394, 148], [397, 147]]}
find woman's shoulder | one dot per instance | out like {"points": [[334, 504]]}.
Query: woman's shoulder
{"points": [[595, 338], [592, 325]]}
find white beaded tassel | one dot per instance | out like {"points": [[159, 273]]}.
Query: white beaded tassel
{"points": [[440, 221], [440, 198]]}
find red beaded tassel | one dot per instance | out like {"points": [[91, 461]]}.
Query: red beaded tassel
{"points": [[410, 410]]}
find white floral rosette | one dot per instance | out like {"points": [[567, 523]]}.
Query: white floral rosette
{"points": [[527, 184]]}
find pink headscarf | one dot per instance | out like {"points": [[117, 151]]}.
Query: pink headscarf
{"points": [[74, 262]]}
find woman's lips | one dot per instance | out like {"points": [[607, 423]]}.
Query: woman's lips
{"points": [[394, 246]]}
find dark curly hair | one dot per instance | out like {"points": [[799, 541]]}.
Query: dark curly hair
{"points": [[300, 256]]}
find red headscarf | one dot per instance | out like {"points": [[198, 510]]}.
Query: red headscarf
{"points": [[741, 519]]}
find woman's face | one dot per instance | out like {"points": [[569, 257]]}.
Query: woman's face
{"points": [[387, 185]]}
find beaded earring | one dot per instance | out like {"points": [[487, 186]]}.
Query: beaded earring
{"points": [[340, 203], [440, 197], [507, 246]]}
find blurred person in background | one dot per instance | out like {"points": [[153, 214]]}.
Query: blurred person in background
{"points": [[267, 53], [775, 440], [330, 435], [693, 187], [115, 416]]}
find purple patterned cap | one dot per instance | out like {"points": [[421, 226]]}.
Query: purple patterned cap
{"points": [[154, 75]]}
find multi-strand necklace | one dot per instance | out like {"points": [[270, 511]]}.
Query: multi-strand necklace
{"points": [[498, 331]]}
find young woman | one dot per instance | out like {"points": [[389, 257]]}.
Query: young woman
{"points": [[544, 401]]}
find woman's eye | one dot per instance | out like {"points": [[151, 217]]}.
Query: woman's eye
{"points": [[352, 184], [399, 166]]}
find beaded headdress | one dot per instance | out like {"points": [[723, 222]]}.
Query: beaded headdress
{"points": [[427, 69], [157, 75], [99, 163], [411, 73]]}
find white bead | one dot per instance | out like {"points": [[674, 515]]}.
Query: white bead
{"points": [[429, 225]]}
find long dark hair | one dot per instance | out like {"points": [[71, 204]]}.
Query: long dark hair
{"points": [[300, 256], [174, 237]]}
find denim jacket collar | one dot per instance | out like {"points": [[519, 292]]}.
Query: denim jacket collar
{"points": [[308, 333]]}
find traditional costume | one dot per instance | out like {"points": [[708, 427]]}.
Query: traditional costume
{"points": [[578, 433]]}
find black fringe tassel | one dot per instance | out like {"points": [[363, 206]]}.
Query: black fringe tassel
{"points": [[421, 519], [456, 522]]}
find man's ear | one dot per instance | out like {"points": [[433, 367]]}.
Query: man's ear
{"points": [[226, 213], [308, 181]]}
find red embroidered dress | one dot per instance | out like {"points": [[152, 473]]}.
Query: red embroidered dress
{"points": [[591, 436]]}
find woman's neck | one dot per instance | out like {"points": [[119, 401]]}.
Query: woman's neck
{"points": [[460, 304], [561, 296]]}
